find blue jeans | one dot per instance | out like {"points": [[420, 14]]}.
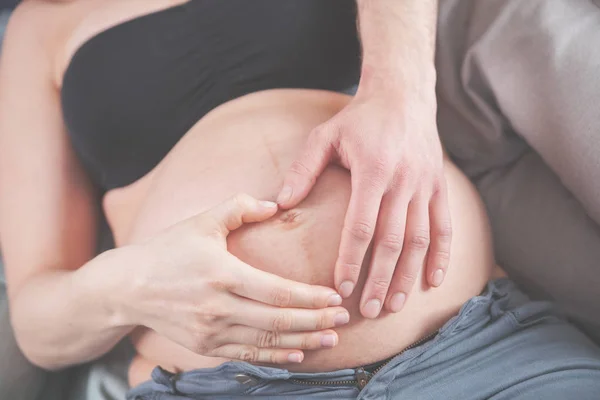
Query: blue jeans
{"points": [[501, 345]]}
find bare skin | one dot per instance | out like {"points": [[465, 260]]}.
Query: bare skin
{"points": [[213, 162], [387, 137], [48, 213], [64, 310]]}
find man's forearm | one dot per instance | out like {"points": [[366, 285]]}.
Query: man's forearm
{"points": [[398, 40]]}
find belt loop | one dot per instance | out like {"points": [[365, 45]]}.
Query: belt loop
{"points": [[166, 378]]}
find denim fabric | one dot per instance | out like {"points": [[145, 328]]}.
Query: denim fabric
{"points": [[501, 345]]}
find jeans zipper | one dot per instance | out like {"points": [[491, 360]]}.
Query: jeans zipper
{"points": [[362, 377]]}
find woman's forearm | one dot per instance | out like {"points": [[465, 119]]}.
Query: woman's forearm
{"points": [[62, 318], [398, 41]]}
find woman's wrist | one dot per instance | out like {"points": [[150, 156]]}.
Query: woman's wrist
{"points": [[64, 317], [107, 280]]}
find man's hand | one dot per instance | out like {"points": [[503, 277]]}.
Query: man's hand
{"points": [[398, 195], [387, 137]]}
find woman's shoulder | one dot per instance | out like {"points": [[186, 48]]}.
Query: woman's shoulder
{"points": [[37, 31], [40, 17]]}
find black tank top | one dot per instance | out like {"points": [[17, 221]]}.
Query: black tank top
{"points": [[132, 91]]}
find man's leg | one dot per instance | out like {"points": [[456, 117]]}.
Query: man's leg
{"points": [[501, 346], [518, 98]]}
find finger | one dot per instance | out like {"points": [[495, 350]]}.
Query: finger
{"points": [[414, 251], [240, 334], [268, 288], [305, 170], [262, 316], [240, 209], [438, 258], [358, 230], [253, 354], [389, 239]]}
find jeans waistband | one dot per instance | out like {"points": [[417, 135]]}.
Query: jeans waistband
{"points": [[239, 377]]}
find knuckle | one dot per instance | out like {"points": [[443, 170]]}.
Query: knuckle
{"points": [[361, 231], [443, 257], [242, 198], [419, 240], [196, 326], [281, 297], [405, 174], [273, 358], [407, 279], [426, 176], [282, 322], [317, 301], [268, 339], [392, 242], [379, 286], [305, 342], [381, 166], [323, 321], [444, 232], [439, 181], [376, 179], [299, 168], [222, 284], [351, 268], [248, 354], [210, 315], [242, 201]]}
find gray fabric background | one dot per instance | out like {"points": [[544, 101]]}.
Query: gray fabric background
{"points": [[518, 98], [519, 90]]}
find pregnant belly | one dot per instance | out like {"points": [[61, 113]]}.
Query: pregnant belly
{"points": [[246, 145]]}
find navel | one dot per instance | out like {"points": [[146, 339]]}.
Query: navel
{"points": [[291, 218]]}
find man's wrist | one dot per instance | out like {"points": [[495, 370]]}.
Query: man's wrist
{"points": [[398, 81], [398, 39]]}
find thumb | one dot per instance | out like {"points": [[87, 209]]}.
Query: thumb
{"points": [[304, 171], [238, 210]]}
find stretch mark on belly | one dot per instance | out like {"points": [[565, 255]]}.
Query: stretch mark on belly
{"points": [[272, 155]]}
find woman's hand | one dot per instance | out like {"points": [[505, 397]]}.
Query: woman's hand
{"points": [[188, 288], [391, 147]]}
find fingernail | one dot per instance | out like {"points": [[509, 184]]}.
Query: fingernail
{"points": [[397, 302], [334, 300], [328, 341], [438, 277], [341, 319], [268, 204], [372, 308], [346, 289], [295, 358], [285, 195]]}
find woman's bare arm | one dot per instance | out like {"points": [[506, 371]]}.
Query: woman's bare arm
{"points": [[60, 314], [66, 309]]}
